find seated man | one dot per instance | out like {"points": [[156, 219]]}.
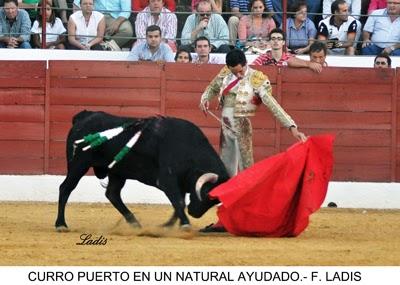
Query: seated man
{"points": [[354, 8], [382, 61], [157, 14], [86, 28], [15, 26], [340, 30], [116, 14], [207, 24], [153, 49], [202, 48], [382, 31]]}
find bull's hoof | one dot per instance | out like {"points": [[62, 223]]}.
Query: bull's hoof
{"points": [[62, 229], [186, 227]]}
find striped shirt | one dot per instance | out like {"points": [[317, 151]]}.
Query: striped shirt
{"points": [[267, 59], [167, 21], [243, 5]]}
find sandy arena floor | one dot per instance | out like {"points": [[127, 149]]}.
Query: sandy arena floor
{"points": [[334, 237]]}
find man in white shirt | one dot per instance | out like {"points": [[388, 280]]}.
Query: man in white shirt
{"points": [[340, 31]]}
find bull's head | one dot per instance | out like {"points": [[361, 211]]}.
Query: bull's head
{"points": [[200, 202]]}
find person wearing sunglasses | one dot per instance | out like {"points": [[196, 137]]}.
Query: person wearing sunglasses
{"points": [[382, 61], [207, 24]]}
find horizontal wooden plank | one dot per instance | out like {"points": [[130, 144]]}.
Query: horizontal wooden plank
{"points": [[263, 152], [338, 97], [106, 82], [62, 113], [21, 149], [182, 99], [57, 149], [81, 69], [187, 86], [270, 71], [58, 166], [107, 97], [22, 113], [365, 173], [342, 74], [191, 72], [361, 138], [212, 134], [177, 100], [21, 166], [23, 69], [21, 131], [21, 96], [22, 82], [366, 155], [59, 130], [342, 120]]}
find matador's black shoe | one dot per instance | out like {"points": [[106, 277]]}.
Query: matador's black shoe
{"points": [[213, 228]]}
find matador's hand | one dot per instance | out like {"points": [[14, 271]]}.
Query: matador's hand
{"points": [[298, 135], [204, 105]]}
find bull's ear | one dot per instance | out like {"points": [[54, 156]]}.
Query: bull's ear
{"points": [[206, 177]]}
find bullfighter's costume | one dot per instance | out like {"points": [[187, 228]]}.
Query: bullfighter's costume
{"points": [[239, 100]]}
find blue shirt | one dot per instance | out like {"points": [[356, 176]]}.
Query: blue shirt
{"points": [[117, 8], [384, 32], [141, 51], [216, 31], [298, 38], [21, 26], [243, 5]]}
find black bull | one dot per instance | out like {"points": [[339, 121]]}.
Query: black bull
{"points": [[171, 154]]}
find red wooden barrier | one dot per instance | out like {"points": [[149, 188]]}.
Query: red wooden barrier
{"points": [[22, 103], [361, 106]]}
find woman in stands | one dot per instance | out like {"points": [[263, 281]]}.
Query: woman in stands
{"points": [[55, 30], [300, 30], [254, 29], [86, 28], [183, 56]]}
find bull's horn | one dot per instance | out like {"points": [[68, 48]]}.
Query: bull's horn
{"points": [[206, 177]]}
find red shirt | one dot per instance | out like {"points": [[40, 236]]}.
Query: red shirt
{"points": [[267, 59], [139, 5]]}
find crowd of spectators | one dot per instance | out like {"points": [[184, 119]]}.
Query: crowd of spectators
{"points": [[347, 27]]}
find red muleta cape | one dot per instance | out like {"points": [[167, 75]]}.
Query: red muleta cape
{"points": [[276, 196]]}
